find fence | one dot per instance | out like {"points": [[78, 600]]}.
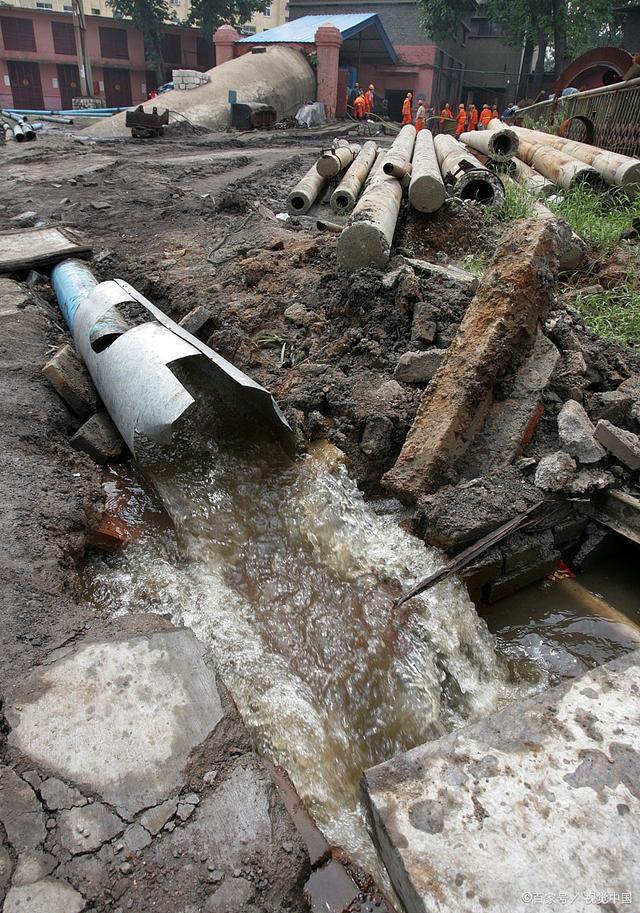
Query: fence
{"points": [[613, 112]]}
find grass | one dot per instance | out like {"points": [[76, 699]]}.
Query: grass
{"points": [[614, 313], [475, 264], [599, 217], [517, 203]]}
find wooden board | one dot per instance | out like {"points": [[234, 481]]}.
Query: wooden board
{"points": [[30, 248]]}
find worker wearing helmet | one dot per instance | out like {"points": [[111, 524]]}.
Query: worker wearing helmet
{"points": [[421, 114], [406, 110], [485, 116], [359, 107], [445, 115], [461, 120], [369, 100], [473, 118]]}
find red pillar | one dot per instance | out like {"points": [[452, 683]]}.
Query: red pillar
{"points": [[328, 43], [224, 39]]}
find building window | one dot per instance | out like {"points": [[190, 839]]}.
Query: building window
{"points": [[67, 9], [171, 48], [113, 43], [44, 6], [94, 11], [64, 41], [17, 34], [267, 11], [204, 52], [485, 28]]}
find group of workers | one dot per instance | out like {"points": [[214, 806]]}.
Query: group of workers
{"points": [[362, 101]]}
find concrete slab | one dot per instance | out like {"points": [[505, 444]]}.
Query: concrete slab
{"points": [[45, 896], [538, 804], [20, 812], [120, 717]]}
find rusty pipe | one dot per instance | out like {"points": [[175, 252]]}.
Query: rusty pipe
{"points": [[561, 168], [469, 179], [344, 197]]}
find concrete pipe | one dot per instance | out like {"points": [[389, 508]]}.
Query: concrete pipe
{"points": [[400, 152], [8, 132], [564, 170], [336, 160], [399, 171], [469, 179], [368, 235], [344, 197], [534, 182], [498, 145], [306, 191], [426, 190], [617, 169]]}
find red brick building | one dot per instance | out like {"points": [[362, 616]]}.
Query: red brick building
{"points": [[39, 66]]}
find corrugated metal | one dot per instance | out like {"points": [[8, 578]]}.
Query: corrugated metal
{"points": [[303, 30]]}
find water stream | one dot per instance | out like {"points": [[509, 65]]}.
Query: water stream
{"points": [[288, 576]]}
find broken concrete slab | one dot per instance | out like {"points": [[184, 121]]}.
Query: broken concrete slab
{"points": [[46, 896], [100, 438], [623, 444], [550, 778], [514, 295], [82, 830], [576, 431], [20, 812], [26, 248], [555, 471], [57, 795], [32, 866], [6, 866], [83, 716], [418, 367], [68, 377], [154, 819], [199, 322]]}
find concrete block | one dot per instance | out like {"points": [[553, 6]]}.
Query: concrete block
{"points": [[68, 377], [614, 406], [523, 549], [555, 471], [576, 433], [418, 367], [20, 812], [570, 531], [100, 438], [539, 800], [511, 583], [514, 295], [49, 895], [624, 445], [198, 322], [620, 511], [480, 573]]}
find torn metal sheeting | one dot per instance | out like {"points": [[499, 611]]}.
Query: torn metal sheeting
{"points": [[132, 368], [30, 248]]}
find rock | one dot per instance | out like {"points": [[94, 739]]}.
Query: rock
{"points": [[32, 866], [100, 438], [45, 896], [25, 219], [614, 406], [136, 837], [300, 315], [390, 278], [589, 480], [20, 812], [5, 868], [100, 205], [57, 794], [423, 325], [81, 830], [555, 471], [66, 374], [232, 896], [576, 433], [185, 810], [199, 322], [154, 819], [377, 436], [418, 367], [624, 445], [408, 291]]}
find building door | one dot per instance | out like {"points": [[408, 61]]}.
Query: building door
{"points": [[117, 87], [395, 97], [68, 84], [26, 87]]}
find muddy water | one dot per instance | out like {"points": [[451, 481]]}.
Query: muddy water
{"points": [[288, 576]]}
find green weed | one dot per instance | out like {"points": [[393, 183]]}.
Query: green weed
{"points": [[599, 217], [613, 314], [517, 203]]}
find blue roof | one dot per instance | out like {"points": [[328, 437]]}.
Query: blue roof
{"points": [[303, 30]]}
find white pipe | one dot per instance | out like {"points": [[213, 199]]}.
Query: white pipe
{"points": [[344, 197], [426, 190]]}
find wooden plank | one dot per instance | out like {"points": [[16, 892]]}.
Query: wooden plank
{"points": [[30, 248], [620, 512]]}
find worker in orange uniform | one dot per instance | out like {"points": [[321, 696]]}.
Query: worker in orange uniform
{"points": [[495, 112], [461, 120], [445, 114], [369, 100], [421, 114], [473, 118], [485, 116], [359, 105], [406, 110]]}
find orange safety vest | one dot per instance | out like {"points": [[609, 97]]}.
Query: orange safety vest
{"points": [[485, 117], [420, 119], [359, 106], [444, 114], [462, 120], [406, 112], [368, 102], [473, 119]]}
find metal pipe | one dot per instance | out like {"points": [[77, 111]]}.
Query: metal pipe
{"points": [[469, 179], [336, 160], [306, 191], [138, 371], [426, 190], [324, 225], [344, 197], [498, 145], [621, 170], [367, 238], [564, 170]]}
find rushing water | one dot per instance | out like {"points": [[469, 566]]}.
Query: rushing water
{"points": [[289, 577]]}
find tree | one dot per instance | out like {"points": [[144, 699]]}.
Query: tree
{"points": [[150, 17], [209, 14]]}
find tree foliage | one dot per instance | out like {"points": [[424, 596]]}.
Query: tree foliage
{"points": [[150, 17], [209, 14]]}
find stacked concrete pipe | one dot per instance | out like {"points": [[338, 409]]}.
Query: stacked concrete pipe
{"points": [[344, 197], [336, 160], [615, 168], [305, 193], [564, 170], [529, 178], [469, 179], [426, 190], [499, 145], [368, 235]]}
